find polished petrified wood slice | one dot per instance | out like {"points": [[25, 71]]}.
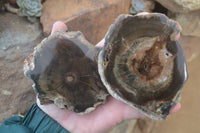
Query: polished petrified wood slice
{"points": [[65, 73], [143, 64]]}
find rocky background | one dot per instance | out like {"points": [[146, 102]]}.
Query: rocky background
{"points": [[19, 35]]}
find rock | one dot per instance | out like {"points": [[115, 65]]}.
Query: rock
{"points": [[190, 23], [17, 40], [138, 6], [180, 6], [92, 17], [190, 46]]}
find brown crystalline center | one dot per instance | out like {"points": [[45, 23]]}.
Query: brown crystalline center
{"points": [[150, 65]]}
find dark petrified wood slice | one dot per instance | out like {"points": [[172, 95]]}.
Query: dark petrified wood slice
{"points": [[143, 64], [65, 73]]}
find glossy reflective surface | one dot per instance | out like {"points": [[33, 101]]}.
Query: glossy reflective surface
{"points": [[142, 63], [64, 72]]}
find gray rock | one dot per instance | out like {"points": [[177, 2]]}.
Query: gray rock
{"points": [[18, 37], [138, 6], [180, 6]]}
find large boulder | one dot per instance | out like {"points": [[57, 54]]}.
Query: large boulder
{"points": [[180, 6], [92, 17]]}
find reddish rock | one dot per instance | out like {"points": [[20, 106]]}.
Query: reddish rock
{"points": [[92, 17]]}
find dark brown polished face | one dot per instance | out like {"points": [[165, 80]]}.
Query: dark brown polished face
{"points": [[62, 69], [143, 62]]}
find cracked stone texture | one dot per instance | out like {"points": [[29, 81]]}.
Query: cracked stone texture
{"points": [[92, 17], [180, 6], [18, 37]]}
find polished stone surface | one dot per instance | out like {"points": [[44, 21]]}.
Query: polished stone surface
{"points": [[64, 72], [142, 64]]}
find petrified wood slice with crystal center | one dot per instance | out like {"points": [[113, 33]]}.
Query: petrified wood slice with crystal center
{"points": [[143, 64]]}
